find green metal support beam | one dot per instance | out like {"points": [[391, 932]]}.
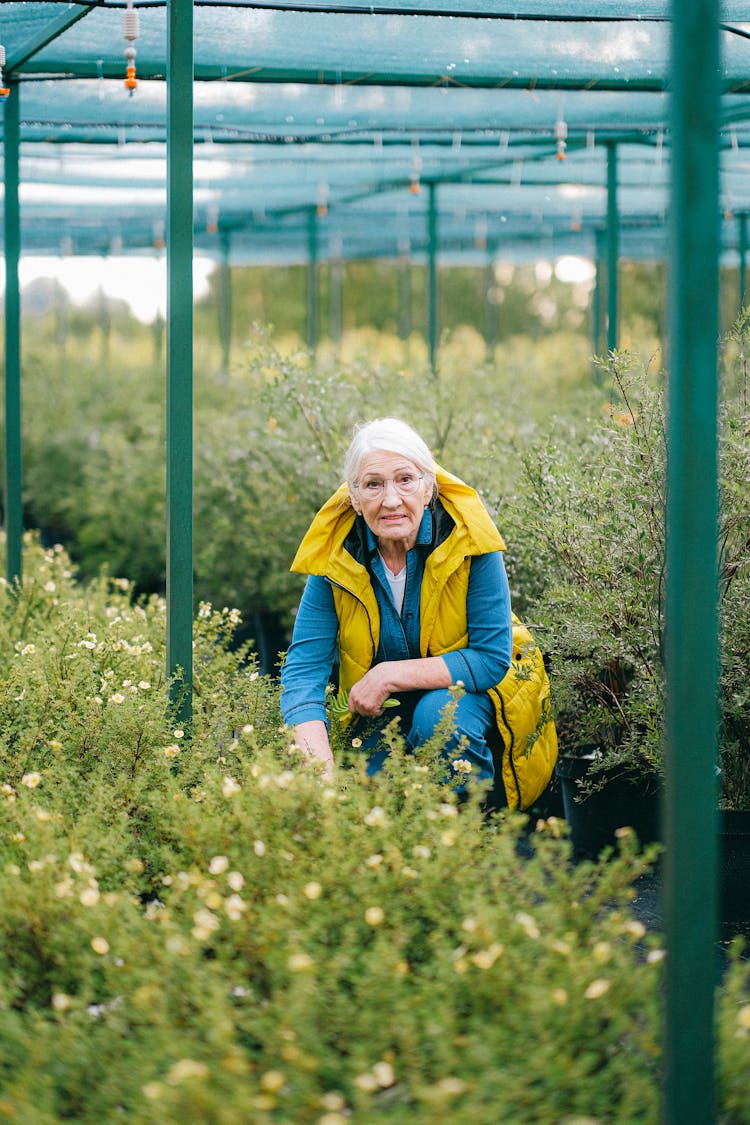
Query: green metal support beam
{"points": [[613, 248], [432, 276], [180, 356], [12, 232], [691, 654], [596, 296], [225, 299], [742, 270], [313, 295]]}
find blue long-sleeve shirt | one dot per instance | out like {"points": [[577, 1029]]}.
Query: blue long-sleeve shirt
{"points": [[480, 665]]}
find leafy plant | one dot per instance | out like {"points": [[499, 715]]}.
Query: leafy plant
{"points": [[587, 534]]}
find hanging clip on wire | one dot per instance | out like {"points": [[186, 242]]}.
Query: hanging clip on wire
{"points": [[4, 90], [130, 32]]}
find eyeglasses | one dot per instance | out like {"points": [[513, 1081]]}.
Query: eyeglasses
{"points": [[372, 488]]}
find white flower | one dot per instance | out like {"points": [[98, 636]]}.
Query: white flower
{"points": [[89, 896], [100, 945], [144, 685], [235, 880], [89, 641], [312, 891], [235, 907], [204, 610], [259, 847], [229, 786], [374, 915], [218, 864], [27, 650], [462, 766], [375, 817], [31, 780], [116, 697], [597, 988]]}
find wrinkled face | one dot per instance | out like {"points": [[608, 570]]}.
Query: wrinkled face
{"points": [[383, 496]]}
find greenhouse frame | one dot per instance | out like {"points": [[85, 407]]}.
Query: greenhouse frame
{"points": [[441, 131]]}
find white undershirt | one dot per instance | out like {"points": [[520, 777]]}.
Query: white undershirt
{"points": [[397, 584]]}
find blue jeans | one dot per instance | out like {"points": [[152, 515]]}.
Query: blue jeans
{"points": [[420, 712]]}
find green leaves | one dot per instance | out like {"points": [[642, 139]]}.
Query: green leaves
{"points": [[339, 705]]}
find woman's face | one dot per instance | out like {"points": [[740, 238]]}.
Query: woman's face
{"points": [[393, 516]]}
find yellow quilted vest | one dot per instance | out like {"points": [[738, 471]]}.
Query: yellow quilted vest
{"points": [[522, 699]]}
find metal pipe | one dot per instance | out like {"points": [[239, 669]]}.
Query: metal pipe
{"points": [[691, 636], [180, 356]]}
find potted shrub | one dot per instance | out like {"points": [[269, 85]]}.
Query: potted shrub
{"points": [[588, 547]]}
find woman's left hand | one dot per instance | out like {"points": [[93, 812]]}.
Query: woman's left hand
{"points": [[369, 694]]}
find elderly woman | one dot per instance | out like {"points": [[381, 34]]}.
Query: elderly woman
{"points": [[407, 587]]}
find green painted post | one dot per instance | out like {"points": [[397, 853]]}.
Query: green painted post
{"points": [[490, 304], [742, 272], [12, 231], [596, 307], [691, 651], [404, 290], [180, 355], [313, 296], [225, 300], [613, 247], [432, 278]]}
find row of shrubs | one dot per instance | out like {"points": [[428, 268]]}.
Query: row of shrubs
{"points": [[197, 928], [570, 460]]}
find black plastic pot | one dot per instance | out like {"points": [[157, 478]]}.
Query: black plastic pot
{"points": [[734, 861], [630, 801], [624, 801]]}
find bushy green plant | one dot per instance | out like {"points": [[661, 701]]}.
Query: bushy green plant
{"points": [[269, 440], [588, 552], [198, 927]]}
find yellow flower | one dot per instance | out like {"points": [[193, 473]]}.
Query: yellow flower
{"points": [[312, 890], [597, 988], [374, 915], [185, 1069], [229, 787], [100, 945], [272, 1080], [383, 1074], [299, 962]]}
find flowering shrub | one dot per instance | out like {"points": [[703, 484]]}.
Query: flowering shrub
{"points": [[587, 535], [197, 927]]}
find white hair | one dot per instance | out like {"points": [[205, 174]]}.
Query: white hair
{"points": [[389, 435]]}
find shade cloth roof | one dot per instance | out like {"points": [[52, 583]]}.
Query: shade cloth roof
{"points": [[349, 110]]}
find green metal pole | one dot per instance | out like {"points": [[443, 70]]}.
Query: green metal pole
{"points": [[613, 247], [180, 355], [596, 308], [313, 296], [490, 304], [432, 279], [225, 301], [742, 275], [404, 291], [12, 231], [691, 648]]}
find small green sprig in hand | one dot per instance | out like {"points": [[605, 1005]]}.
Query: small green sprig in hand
{"points": [[340, 704]]}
